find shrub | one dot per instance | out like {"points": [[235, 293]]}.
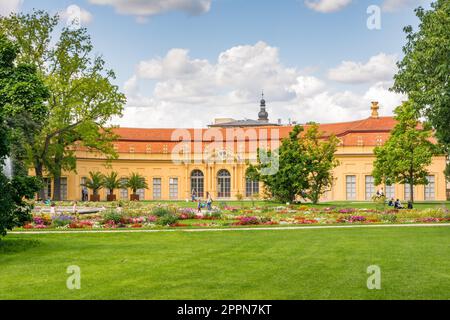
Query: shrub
{"points": [[112, 216], [62, 221], [167, 220], [161, 211], [214, 215], [389, 218]]}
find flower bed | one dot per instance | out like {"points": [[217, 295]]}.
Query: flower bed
{"points": [[144, 215]]}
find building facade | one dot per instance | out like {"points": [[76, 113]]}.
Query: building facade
{"points": [[179, 162]]}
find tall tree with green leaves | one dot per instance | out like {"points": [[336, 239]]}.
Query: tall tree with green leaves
{"points": [[292, 176], [83, 98], [407, 153], [22, 107], [424, 72], [320, 162]]}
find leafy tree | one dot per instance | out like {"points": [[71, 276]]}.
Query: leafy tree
{"points": [[94, 182], [82, 97], [22, 93], [292, 175], [447, 172], [407, 153], [135, 182], [111, 182], [320, 162], [305, 161], [424, 72]]}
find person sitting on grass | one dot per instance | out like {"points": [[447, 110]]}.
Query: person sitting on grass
{"points": [[391, 202], [398, 204]]}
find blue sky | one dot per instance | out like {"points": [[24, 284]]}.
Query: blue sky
{"points": [[186, 62]]}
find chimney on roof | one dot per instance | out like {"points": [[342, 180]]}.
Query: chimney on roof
{"points": [[375, 107]]}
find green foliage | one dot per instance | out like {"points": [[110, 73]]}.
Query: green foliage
{"points": [[161, 211], [82, 98], [111, 182], [424, 71], [113, 216], [407, 153], [285, 184], [391, 218], [94, 182], [320, 162], [167, 220], [380, 202], [136, 181], [447, 171], [21, 108], [305, 166]]}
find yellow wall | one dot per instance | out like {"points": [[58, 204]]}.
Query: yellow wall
{"points": [[356, 161]]}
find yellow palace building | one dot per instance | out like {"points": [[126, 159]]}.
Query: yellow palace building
{"points": [[178, 162]]}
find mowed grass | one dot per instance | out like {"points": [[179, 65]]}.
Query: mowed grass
{"points": [[281, 264]]}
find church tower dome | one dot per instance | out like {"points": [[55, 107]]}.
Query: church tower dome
{"points": [[263, 116]]}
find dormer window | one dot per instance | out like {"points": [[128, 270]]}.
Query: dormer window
{"points": [[360, 141]]}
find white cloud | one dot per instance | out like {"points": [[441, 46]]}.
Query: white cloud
{"points": [[191, 92], [326, 6], [379, 68], [145, 8], [9, 6], [73, 14]]}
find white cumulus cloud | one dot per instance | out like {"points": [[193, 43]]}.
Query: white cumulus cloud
{"points": [[379, 68], [178, 90], [73, 14], [326, 6], [9, 6], [145, 8]]}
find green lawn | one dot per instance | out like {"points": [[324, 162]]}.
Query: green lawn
{"points": [[289, 264]]}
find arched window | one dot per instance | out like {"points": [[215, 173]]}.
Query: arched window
{"points": [[197, 183], [223, 184]]}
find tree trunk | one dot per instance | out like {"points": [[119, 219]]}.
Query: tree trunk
{"points": [[59, 155], [38, 170], [411, 188], [57, 187]]}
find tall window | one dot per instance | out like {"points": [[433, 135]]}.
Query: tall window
{"points": [[370, 187], [197, 183], [123, 191], [251, 187], [407, 191], [224, 184], [389, 191], [48, 188], [351, 187], [173, 188], [430, 188], [156, 188], [63, 193], [141, 194]]}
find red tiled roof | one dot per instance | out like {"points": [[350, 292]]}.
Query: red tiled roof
{"points": [[367, 132]]}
